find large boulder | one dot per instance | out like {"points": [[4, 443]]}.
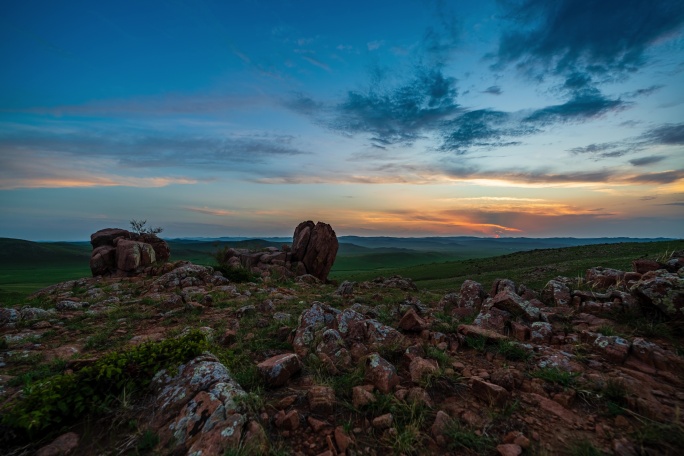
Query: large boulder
{"points": [[663, 290], [118, 252], [315, 246]]}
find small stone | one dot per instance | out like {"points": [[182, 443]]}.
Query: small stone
{"points": [[276, 371], [361, 396], [321, 400], [508, 449], [62, 445], [489, 392], [342, 440], [383, 421]]}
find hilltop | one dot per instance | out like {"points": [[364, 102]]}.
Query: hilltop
{"points": [[536, 352]]}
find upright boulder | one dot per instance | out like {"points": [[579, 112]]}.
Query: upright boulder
{"points": [[315, 246]]}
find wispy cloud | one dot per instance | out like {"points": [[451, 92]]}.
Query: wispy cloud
{"points": [[493, 90], [317, 63], [644, 161], [569, 35], [210, 211]]}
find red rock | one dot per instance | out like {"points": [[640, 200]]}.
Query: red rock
{"points": [[472, 330], [412, 322], [555, 293], [316, 247], [321, 400], [493, 318], [541, 332], [421, 368], [383, 421], [500, 285], [342, 440], [489, 392], [287, 421], [515, 305], [663, 290], [520, 331], [63, 445], [276, 371], [604, 277], [439, 426], [107, 236], [381, 373], [316, 425], [471, 295], [361, 396], [642, 266], [508, 449], [555, 408], [132, 256]]}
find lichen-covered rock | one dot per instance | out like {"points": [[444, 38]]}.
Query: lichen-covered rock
{"points": [[9, 316], [381, 373], [277, 370], [662, 289], [604, 277], [555, 293], [515, 305], [471, 295], [541, 332], [197, 409]]}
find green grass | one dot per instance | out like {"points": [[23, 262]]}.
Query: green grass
{"points": [[555, 375]]}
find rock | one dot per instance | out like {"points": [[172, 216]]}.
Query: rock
{"points": [[316, 247], [663, 290], [421, 367], [381, 373], [475, 331], [287, 421], [197, 409], [383, 421], [471, 295], [489, 393], [119, 252], [604, 277], [63, 445], [107, 236], [508, 449], [342, 440], [9, 316], [515, 305], [642, 266], [541, 332], [346, 288], [361, 396], [492, 318], [440, 425], [321, 400], [412, 322], [555, 293], [132, 256], [276, 371], [500, 285]]}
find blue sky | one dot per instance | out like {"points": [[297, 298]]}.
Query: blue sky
{"points": [[404, 118]]}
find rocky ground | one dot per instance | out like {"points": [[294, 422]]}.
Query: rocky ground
{"points": [[584, 366]]}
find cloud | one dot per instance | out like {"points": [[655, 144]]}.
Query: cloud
{"points": [[375, 45], [669, 134], [317, 63], [493, 90], [643, 92], [577, 109], [643, 161], [209, 211], [663, 177], [597, 36], [398, 114], [482, 128]]}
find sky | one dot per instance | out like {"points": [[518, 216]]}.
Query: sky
{"points": [[528, 118]]}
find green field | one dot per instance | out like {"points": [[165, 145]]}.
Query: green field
{"points": [[26, 267]]}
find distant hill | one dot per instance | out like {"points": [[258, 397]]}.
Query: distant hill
{"points": [[19, 252]]}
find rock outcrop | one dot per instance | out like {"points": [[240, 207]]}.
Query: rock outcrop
{"points": [[313, 252], [120, 253]]}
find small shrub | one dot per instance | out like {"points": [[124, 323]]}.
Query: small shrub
{"points": [[555, 375], [147, 441], [461, 438], [512, 351], [666, 437], [476, 342], [56, 400], [140, 227], [584, 448]]}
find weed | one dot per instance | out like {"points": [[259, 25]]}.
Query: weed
{"points": [[404, 441], [460, 438], [666, 437], [607, 330], [476, 342], [253, 401], [555, 375], [615, 391], [39, 373], [435, 353], [147, 441], [512, 351], [583, 448]]}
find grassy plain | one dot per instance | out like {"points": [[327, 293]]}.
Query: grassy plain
{"points": [[26, 266]]}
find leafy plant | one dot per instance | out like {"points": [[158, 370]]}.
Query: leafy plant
{"points": [[64, 397]]}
